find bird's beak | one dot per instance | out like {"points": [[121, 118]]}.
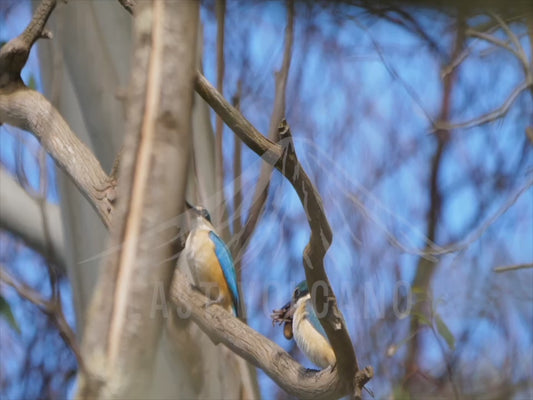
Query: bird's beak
{"points": [[189, 205]]}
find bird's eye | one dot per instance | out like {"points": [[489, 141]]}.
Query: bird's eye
{"points": [[296, 292]]}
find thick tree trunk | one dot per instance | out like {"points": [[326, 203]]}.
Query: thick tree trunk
{"points": [[85, 70]]}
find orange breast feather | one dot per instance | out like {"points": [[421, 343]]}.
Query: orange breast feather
{"points": [[210, 274]]}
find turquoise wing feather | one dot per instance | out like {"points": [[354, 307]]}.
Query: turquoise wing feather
{"points": [[228, 268], [314, 319]]}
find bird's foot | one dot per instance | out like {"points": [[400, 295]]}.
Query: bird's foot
{"points": [[211, 302], [194, 286]]}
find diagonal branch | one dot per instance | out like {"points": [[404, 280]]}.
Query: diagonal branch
{"points": [[282, 155], [31, 111]]}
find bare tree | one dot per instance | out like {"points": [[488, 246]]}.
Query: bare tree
{"points": [[422, 166]]}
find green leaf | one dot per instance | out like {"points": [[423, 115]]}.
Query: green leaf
{"points": [[32, 84], [418, 290], [422, 318], [399, 393], [5, 311], [445, 332]]}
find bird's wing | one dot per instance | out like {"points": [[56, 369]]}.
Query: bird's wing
{"points": [[228, 268], [313, 318]]}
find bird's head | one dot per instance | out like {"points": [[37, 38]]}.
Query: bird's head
{"points": [[285, 314], [199, 211], [300, 291]]}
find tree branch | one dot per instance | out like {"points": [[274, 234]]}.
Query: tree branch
{"points": [[29, 110], [52, 308], [222, 327], [14, 54], [20, 213], [489, 117], [283, 157], [512, 267]]}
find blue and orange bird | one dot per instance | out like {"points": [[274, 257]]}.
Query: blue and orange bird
{"points": [[301, 322], [210, 262]]}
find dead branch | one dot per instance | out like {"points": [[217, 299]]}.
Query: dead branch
{"points": [[283, 157]]}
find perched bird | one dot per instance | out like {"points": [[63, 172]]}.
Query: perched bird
{"points": [[210, 262], [302, 323]]}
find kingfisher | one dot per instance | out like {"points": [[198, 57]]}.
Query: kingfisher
{"points": [[302, 323], [210, 262]]}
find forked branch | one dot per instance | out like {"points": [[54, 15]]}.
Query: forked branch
{"points": [[282, 156], [28, 109]]}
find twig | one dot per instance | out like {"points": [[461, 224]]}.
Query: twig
{"points": [[392, 71], [491, 39], [283, 157], [519, 50], [491, 116], [52, 308], [512, 267]]}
